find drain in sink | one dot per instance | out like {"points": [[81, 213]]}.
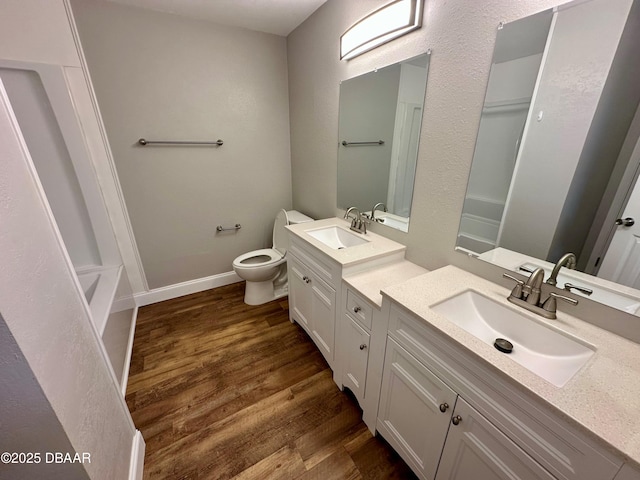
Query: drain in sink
{"points": [[505, 346]]}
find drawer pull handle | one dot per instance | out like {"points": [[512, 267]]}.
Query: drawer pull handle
{"points": [[444, 407], [306, 279], [456, 420], [356, 309], [363, 346]]}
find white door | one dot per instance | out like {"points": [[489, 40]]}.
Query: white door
{"points": [[621, 263], [403, 160]]}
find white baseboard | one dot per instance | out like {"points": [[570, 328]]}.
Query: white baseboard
{"points": [[136, 466], [185, 288]]}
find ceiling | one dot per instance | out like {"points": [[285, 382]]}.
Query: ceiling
{"points": [[279, 17]]}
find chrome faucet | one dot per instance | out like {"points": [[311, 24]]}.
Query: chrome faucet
{"points": [[358, 224], [567, 260], [527, 295], [349, 210], [373, 211], [531, 289]]}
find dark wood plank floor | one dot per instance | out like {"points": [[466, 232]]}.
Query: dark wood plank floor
{"points": [[221, 390]]}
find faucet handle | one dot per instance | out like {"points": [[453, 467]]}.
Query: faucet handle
{"points": [[550, 303], [568, 286], [517, 290]]}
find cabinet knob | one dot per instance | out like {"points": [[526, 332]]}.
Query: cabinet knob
{"points": [[356, 309], [444, 407], [456, 420], [306, 279], [363, 346]]}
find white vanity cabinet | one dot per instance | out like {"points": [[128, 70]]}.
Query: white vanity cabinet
{"points": [[435, 430], [415, 410], [355, 343], [313, 282], [477, 449], [316, 267], [489, 429]]}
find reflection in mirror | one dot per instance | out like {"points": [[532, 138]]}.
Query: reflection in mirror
{"points": [[557, 153], [379, 133]]}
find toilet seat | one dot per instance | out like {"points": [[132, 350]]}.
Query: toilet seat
{"points": [[259, 258]]}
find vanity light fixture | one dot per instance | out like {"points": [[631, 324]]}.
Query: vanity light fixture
{"points": [[385, 24]]}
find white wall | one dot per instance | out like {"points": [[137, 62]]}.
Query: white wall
{"points": [[161, 76], [55, 168], [42, 305], [41, 302], [28, 422], [462, 35]]}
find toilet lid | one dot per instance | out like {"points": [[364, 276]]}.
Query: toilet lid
{"points": [[280, 240]]}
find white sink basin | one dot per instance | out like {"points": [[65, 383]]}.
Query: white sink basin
{"points": [[336, 237], [550, 354]]}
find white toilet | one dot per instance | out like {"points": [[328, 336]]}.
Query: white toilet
{"points": [[265, 270]]}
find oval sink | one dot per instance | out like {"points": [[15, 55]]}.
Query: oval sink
{"points": [[336, 237], [548, 353]]}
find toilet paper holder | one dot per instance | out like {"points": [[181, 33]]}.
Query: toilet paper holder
{"points": [[220, 228]]}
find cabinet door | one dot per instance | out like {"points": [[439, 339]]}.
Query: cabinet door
{"points": [[299, 293], [476, 449], [415, 410], [356, 357], [323, 316]]}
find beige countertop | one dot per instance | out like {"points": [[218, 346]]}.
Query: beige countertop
{"points": [[603, 397], [376, 246], [370, 282]]}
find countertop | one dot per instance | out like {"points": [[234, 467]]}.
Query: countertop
{"points": [[370, 282], [603, 397], [376, 247]]}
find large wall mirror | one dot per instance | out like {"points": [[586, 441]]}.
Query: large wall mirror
{"points": [[379, 133], [557, 153]]}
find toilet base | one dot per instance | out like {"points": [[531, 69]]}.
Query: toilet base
{"points": [[258, 293]]}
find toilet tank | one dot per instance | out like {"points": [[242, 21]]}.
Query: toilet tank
{"points": [[285, 217], [295, 216]]}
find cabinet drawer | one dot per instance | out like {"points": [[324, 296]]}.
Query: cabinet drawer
{"points": [[359, 309], [325, 269], [562, 449]]}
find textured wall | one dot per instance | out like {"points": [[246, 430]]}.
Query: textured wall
{"points": [[28, 422], [42, 306], [462, 35], [162, 76], [40, 301]]}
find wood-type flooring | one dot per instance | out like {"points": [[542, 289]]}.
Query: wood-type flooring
{"points": [[220, 389]]}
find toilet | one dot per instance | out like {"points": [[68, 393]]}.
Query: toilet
{"points": [[265, 270]]}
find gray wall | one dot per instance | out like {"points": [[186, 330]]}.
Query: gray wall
{"points": [[28, 423], [367, 113], [161, 76], [462, 35]]}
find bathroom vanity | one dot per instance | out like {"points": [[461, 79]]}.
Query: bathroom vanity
{"points": [[320, 253], [452, 405]]}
